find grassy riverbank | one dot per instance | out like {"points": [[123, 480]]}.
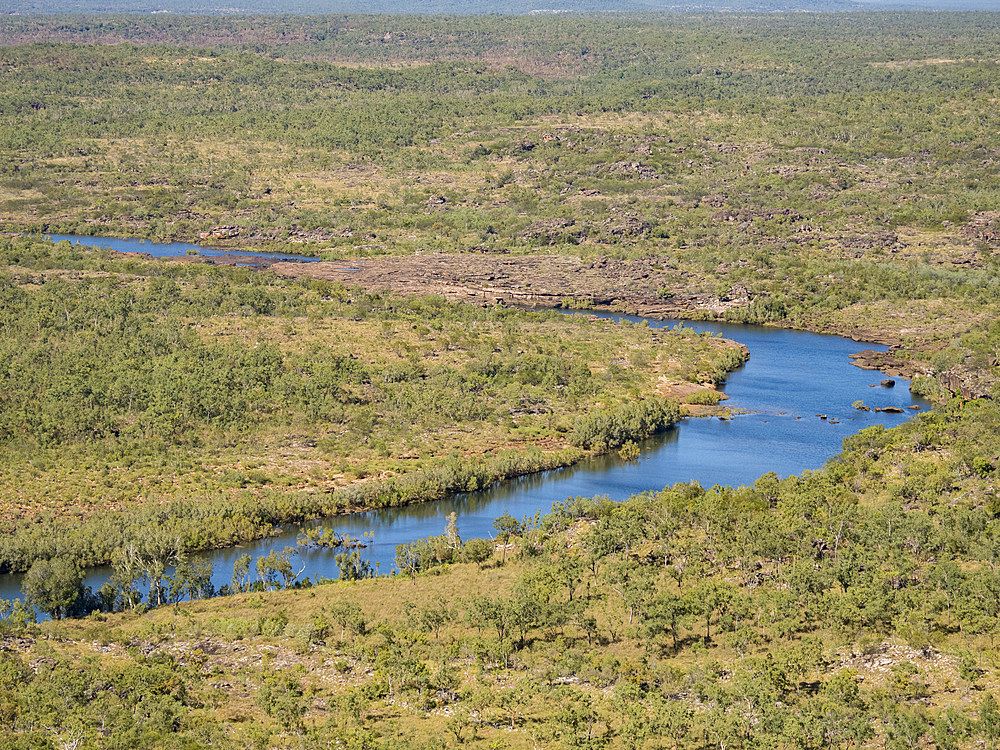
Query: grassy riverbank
{"points": [[226, 401]]}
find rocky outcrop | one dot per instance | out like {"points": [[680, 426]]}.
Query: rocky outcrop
{"points": [[553, 231], [968, 382], [623, 225], [634, 169], [634, 286], [747, 215], [226, 232], [869, 240], [983, 227], [889, 362]]}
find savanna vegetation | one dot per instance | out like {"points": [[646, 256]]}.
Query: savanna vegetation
{"points": [[832, 172], [31, 7], [149, 401], [837, 169], [852, 607]]}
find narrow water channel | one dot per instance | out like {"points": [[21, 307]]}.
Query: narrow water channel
{"points": [[175, 249]]}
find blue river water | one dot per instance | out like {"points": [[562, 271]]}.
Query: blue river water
{"points": [[172, 249], [792, 377]]}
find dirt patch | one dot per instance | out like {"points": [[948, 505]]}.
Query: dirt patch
{"points": [[544, 281]]}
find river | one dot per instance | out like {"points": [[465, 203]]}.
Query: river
{"points": [[177, 249], [791, 378]]}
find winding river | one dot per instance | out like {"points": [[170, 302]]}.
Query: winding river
{"points": [[791, 378]]}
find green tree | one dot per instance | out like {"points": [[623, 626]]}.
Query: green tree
{"points": [[281, 697], [408, 560], [506, 527], [53, 586], [241, 574], [276, 569]]}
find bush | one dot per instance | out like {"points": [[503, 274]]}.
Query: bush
{"points": [[606, 429], [704, 398], [477, 550], [928, 387]]}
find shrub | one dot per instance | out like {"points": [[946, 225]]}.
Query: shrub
{"points": [[704, 398], [606, 429]]}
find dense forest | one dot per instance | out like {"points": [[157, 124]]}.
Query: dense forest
{"points": [[830, 172]]}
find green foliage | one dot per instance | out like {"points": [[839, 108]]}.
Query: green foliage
{"points": [[821, 172], [53, 586], [281, 698], [927, 387], [277, 570], [135, 402], [606, 429], [688, 613], [704, 398]]}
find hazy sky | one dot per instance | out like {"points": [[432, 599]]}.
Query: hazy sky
{"points": [[941, 4]]}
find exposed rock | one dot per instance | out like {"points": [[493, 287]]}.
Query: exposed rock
{"points": [[817, 193], [984, 227], [553, 231], [634, 168], [621, 224], [715, 201], [750, 214], [889, 383], [531, 280], [226, 232], [968, 382], [869, 240], [889, 362], [737, 293]]}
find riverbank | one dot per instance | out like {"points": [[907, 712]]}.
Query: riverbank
{"points": [[641, 288], [918, 331], [747, 580], [217, 388], [785, 417]]}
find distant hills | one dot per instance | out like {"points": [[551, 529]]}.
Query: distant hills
{"points": [[233, 7]]}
